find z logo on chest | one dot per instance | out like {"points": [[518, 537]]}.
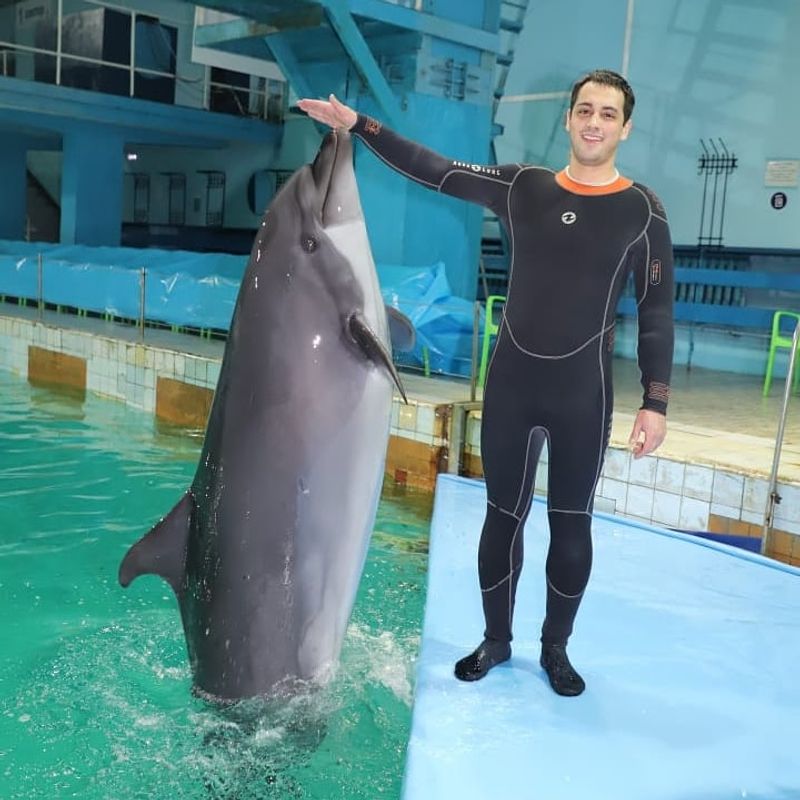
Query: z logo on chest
{"points": [[568, 217]]}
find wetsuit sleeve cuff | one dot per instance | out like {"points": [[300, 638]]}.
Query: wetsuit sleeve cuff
{"points": [[365, 126], [656, 396], [651, 405]]}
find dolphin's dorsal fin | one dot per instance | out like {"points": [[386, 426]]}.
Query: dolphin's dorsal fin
{"points": [[401, 330], [161, 551], [372, 347]]}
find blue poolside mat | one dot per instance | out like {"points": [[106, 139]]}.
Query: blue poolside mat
{"points": [[691, 654]]}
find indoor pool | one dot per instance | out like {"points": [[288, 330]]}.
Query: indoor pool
{"points": [[94, 680]]}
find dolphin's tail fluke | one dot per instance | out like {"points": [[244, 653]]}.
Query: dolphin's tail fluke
{"points": [[162, 551], [373, 348]]}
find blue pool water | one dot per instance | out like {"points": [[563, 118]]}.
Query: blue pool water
{"points": [[95, 695]]}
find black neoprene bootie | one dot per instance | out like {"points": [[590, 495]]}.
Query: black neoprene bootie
{"points": [[488, 654], [563, 678]]}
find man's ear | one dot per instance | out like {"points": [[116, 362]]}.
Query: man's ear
{"points": [[626, 129], [566, 120]]}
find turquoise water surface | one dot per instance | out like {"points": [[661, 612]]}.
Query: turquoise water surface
{"points": [[95, 697]]}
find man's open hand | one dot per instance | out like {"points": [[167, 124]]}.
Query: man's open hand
{"points": [[330, 112]]}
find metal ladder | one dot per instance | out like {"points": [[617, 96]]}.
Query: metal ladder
{"points": [[493, 266], [512, 20], [773, 498]]}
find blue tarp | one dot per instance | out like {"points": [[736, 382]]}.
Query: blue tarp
{"points": [[181, 288], [199, 290], [443, 322]]}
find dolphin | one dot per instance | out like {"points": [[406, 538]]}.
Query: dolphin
{"points": [[266, 548]]}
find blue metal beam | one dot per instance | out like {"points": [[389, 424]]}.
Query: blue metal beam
{"points": [[357, 48], [289, 65], [379, 10], [222, 32], [429, 24], [60, 108], [346, 30]]}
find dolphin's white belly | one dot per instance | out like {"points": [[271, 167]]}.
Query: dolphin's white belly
{"points": [[355, 453], [344, 490]]}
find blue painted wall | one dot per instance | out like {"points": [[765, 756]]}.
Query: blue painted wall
{"points": [[705, 68], [91, 188], [12, 179], [409, 224]]}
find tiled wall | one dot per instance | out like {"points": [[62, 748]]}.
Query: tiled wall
{"points": [[688, 496], [680, 495], [418, 445], [178, 387], [122, 370]]}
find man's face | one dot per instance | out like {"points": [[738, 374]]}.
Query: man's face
{"points": [[595, 124]]}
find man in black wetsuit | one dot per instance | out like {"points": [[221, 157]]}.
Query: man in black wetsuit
{"points": [[576, 236]]}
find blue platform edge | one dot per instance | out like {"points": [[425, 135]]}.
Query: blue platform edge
{"points": [[690, 651]]}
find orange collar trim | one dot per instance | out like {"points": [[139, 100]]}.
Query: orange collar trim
{"points": [[565, 182]]}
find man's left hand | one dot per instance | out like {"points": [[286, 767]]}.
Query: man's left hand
{"points": [[649, 430]]}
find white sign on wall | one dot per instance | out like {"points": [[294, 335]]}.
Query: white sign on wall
{"points": [[30, 13], [782, 173]]}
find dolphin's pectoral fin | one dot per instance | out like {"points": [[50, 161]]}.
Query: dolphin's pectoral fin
{"points": [[401, 330], [161, 551], [372, 347]]}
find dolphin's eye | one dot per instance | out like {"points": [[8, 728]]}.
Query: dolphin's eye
{"points": [[309, 244]]}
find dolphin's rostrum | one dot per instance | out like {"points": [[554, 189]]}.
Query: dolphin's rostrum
{"points": [[266, 548]]}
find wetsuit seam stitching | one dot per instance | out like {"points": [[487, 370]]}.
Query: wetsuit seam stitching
{"points": [[494, 350], [503, 510], [640, 300], [561, 355], [649, 204], [505, 578], [603, 432], [511, 225], [461, 171], [511, 557], [563, 594], [524, 470], [605, 429]]}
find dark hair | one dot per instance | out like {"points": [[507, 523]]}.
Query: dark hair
{"points": [[605, 77]]}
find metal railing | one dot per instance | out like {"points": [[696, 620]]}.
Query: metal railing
{"points": [[773, 498], [41, 303]]}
